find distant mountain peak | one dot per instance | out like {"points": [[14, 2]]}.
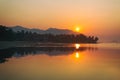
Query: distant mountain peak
{"points": [[17, 26]]}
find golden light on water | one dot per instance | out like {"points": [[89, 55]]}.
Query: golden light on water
{"points": [[77, 55], [77, 46]]}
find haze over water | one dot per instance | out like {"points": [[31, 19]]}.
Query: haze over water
{"points": [[73, 62]]}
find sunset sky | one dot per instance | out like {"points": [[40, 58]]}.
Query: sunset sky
{"points": [[94, 17]]}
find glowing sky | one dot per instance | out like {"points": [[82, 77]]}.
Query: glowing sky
{"points": [[98, 17]]}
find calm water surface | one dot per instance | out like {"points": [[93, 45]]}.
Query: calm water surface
{"points": [[70, 62]]}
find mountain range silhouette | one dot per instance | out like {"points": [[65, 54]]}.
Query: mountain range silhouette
{"points": [[48, 31]]}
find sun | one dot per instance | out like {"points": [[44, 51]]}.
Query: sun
{"points": [[77, 29]]}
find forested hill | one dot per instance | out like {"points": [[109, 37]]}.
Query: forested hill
{"points": [[8, 34]]}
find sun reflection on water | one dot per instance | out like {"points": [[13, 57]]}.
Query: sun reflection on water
{"points": [[77, 55], [77, 46]]}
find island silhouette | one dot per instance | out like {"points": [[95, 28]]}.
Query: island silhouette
{"points": [[52, 35]]}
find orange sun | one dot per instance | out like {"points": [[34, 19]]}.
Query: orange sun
{"points": [[77, 28]]}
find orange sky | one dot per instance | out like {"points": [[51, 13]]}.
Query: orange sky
{"points": [[95, 17]]}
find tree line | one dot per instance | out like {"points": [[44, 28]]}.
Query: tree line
{"points": [[7, 34]]}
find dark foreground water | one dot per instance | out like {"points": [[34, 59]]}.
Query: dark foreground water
{"points": [[69, 62]]}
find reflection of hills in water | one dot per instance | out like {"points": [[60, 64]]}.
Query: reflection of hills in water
{"points": [[51, 51]]}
